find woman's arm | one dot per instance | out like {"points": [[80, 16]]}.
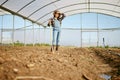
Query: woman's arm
{"points": [[50, 23], [62, 16]]}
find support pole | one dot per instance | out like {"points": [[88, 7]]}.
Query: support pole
{"points": [[89, 38], [33, 34], [44, 35], [24, 32], [13, 30], [88, 5], [97, 31], [2, 30], [39, 33], [81, 28]]}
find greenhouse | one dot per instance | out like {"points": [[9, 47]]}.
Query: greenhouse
{"points": [[89, 26]]}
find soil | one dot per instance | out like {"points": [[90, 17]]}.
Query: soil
{"points": [[69, 63]]}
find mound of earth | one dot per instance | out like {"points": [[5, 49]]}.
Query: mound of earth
{"points": [[69, 63]]}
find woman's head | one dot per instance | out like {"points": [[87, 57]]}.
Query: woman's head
{"points": [[56, 14]]}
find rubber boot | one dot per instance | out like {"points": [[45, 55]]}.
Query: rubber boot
{"points": [[57, 46], [52, 48]]}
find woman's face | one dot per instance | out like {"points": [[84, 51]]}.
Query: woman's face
{"points": [[57, 14]]}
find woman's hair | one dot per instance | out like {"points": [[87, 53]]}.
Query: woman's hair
{"points": [[61, 15], [55, 13]]}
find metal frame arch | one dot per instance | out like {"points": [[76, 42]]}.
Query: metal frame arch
{"points": [[89, 12], [4, 2], [42, 7], [42, 16], [78, 4], [25, 6], [96, 12]]}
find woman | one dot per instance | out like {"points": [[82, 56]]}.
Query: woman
{"points": [[55, 22]]}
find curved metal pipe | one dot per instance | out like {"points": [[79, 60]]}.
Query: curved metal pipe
{"points": [[78, 4]]}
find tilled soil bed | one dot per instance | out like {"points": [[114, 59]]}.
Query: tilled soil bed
{"points": [[69, 63]]}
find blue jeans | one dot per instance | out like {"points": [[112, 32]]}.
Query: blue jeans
{"points": [[56, 36]]}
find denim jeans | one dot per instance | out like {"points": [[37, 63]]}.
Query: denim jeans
{"points": [[56, 36], [56, 32]]}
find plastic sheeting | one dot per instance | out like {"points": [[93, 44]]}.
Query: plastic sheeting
{"points": [[40, 11]]}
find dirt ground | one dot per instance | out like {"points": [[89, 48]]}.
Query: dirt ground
{"points": [[69, 63]]}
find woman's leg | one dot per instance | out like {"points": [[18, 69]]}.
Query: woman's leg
{"points": [[53, 39], [58, 39]]}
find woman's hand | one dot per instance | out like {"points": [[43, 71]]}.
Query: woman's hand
{"points": [[62, 16]]}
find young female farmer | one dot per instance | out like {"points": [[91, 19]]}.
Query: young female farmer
{"points": [[55, 22]]}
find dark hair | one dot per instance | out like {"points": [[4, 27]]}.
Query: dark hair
{"points": [[55, 13]]}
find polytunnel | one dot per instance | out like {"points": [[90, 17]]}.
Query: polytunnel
{"points": [[40, 11], [31, 9], [87, 46]]}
